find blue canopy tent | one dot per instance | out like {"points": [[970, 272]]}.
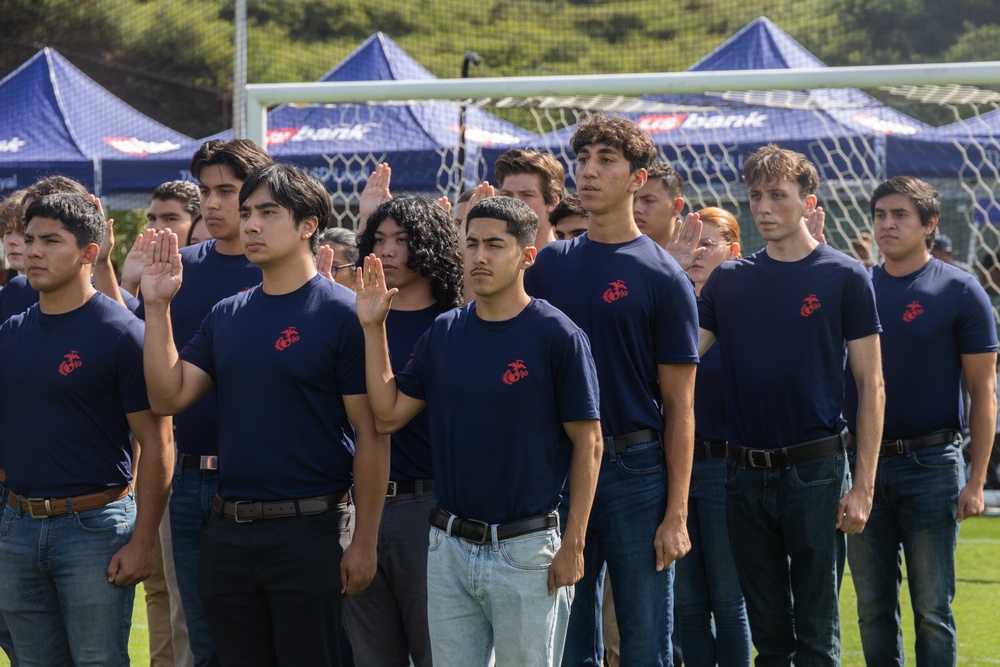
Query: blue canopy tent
{"points": [[341, 144], [706, 137], [965, 150], [55, 119]]}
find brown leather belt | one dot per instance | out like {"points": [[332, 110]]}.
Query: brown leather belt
{"points": [[479, 532], [786, 456], [245, 511], [907, 445], [42, 508]]}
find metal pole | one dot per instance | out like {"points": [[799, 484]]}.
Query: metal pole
{"points": [[471, 58], [240, 71]]}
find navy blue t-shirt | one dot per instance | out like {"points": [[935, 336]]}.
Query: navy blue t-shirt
{"points": [[782, 329], [497, 395], [17, 296], [637, 307], [411, 445], [67, 383], [710, 397], [929, 319], [209, 277], [281, 365]]}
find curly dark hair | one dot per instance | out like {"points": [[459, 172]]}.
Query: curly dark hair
{"points": [[617, 132], [435, 251]]}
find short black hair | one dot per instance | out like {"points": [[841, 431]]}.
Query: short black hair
{"points": [[522, 223], [242, 156], [435, 251], [566, 208], [76, 212], [924, 197], [294, 189], [51, 185]]}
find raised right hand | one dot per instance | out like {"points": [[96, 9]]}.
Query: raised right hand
{"points": [[161, 273], [373, 298]]}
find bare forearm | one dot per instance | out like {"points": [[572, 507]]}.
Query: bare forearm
{"points": [[371, 477], [584, 468], [160, 361], [678, 450], [871, 411], [982, 429], [379, 379], [152, 489]]}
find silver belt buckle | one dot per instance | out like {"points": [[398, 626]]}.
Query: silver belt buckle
{"points": [[236, 511], [391, 492], [31, 507], [209, 463]]}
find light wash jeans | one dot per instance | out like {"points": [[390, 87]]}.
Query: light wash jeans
{"points": [[914, 512], [55, 595], [495, 596]]}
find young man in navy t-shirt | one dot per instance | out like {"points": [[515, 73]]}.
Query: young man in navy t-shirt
{"points": [[785, 318], [512, 400], [295, 431], [638, 309], [417, 243], [938, 330], [213, 270], [76, 538]]}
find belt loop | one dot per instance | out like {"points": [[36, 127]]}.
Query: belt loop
{"points": [[418, 490], [69, 507], [451, 521], [493, 537]]}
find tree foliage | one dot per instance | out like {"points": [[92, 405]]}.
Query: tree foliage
{"points": [[173, 60]]}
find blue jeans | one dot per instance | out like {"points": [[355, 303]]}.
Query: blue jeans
{"points": [[387, 622], [55, 595], [190, 509], [706, 586], [914, 512], [495, 596], [790, 557], [629, 505]]}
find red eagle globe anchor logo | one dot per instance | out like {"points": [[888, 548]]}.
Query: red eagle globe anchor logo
{"points": [[70, 363], [515, 371], [288, 337], [913, 310], [616, 290], [810, 305]]}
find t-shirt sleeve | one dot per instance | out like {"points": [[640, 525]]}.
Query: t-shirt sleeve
{"points": [[676, 332], [351, 357], [410, 380], [976, 327], [575, 374], [198, 350], [860, 316], [131, 379]]}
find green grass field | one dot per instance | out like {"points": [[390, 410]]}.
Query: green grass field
{"points": [[977, 605]]}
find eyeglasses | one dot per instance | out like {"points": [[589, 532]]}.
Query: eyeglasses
{"points": [[342, 266], [710, 245]]}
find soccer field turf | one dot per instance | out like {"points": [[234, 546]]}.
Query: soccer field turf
{"points": [[977, 605]]}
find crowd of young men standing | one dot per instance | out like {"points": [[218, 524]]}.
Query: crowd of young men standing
{"points": [[542, 434]]}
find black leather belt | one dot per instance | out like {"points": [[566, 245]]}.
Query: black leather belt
{"points": [[478, 532], [620, 443], [786, 456], [907, 445], [705, 449], [245, 511], [191, 462], [408, 488]]}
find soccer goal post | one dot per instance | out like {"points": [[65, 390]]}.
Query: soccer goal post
{"points": [[859, 125]]}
